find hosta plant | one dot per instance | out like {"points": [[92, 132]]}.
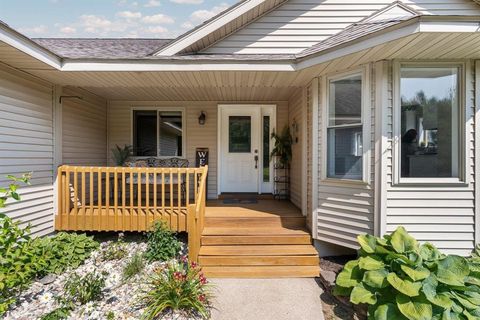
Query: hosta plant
{"points": [[401, 279], [179, 285], [162, 243]]}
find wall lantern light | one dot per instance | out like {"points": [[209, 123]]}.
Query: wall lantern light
{"points": [[202, 118], [295, 130]]}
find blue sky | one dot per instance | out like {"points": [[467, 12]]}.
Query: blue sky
{"points": [[108, 18]]}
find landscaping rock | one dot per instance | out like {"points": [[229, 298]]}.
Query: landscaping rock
{"points": [[119, 297]]}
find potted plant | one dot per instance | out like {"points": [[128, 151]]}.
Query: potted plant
{"points": [[121, 155], [282, 147]]}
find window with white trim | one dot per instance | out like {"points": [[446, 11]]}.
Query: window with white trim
{"points": [[158, 133], [345, 128], [429, 121]]}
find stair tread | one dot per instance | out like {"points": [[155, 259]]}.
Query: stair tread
{"points": [[207, 231], [262, 250], [261, 271], [255, 239], [278, 260]]}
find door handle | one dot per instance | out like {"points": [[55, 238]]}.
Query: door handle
{"points": [[256, 161]]}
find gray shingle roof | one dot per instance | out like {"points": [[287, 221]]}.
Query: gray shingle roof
{"points": [[351, 33], [101, 48]]}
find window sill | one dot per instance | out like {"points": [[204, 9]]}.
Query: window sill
{"points": [[343, 182], [431, 182]]}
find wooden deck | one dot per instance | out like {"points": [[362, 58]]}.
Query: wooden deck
{"points": [[256, 240]]}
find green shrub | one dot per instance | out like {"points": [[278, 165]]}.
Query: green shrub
{"points": [[400, 279], [115, 250], [134, 266], [83, 289], [57, 314], [64, 250], [177, 286], [162, 244]]}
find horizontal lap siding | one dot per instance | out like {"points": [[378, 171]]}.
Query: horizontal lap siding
{"points": [[26, 145], [295, 105], [444, 216], [197, 136], [84, 129], [299, 24], [345, 210]]}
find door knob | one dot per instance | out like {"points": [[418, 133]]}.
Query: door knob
{"points": [[256, 161]]}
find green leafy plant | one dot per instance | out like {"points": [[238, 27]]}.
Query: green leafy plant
{"points": [[115, 250], [83, 289], [282, 147], [60, 313], [110, 315], [121, 155], [18, 262], [180, 285], [134, 266], [64, 250], [400, 279], [162, 243]]}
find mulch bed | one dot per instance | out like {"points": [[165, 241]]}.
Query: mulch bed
{"points": [[337, 307]]}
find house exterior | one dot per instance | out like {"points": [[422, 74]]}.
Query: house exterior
{"points": [[380, 97]]}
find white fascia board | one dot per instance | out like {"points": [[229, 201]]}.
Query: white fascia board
{"points": [[203, 31], [168, 66], [446, 26], [24, 44]]}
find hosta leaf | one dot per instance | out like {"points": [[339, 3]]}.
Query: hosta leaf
{"points": [[402, 242], [362, 295], [472, 280], [341, 291], [465, 302], [350, 275], [430, 290], [416, 274], [469, 315], [367, 242], [376, 278], [370, 263], [405, 286], [417, 308], [388, 311], [452, 270]]}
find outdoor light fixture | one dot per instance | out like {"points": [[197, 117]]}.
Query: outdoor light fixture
{"points": [[202, 118]]}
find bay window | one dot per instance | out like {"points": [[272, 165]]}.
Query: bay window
{"points": [[345, 128], [430, 121]]}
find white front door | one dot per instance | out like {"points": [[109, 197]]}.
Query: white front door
{"points": [[240, 142]]}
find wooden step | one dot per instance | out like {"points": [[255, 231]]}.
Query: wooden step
{"points": [[258, 231], [255, 239], [261, 271], [242, 222], [258, 250], [300, 260]]}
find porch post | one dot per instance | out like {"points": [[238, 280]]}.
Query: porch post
{"points": [[57, 142]]}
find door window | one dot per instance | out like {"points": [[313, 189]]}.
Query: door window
{"points": [[239, 134]]}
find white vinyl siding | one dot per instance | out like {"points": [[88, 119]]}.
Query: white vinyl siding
{"points": [[295, 112], [300, 24], [197, 136], [84, 129], [26, 145], [442, 215]]}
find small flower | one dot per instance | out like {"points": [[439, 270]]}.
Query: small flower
{"points": [[184, 259], [46, 298], [203, 280], [193, 264], [202, 298]]}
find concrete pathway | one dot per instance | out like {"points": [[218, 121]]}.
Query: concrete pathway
{"points": [[265, 299]]}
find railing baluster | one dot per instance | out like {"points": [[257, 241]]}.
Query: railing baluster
{"points": [[75, 197], [107, 196], [131, 197], [147, 197], [115, 197], [124, 216], [99, 198], [83, 182], [163, 194]]}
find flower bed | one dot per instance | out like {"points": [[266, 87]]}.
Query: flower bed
{"points": [[111, 284]]}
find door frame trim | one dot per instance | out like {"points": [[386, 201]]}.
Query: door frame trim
{"points": [[220, 109]]}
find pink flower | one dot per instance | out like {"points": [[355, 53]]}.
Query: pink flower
{"points": [[193, 264], [202, 298]]}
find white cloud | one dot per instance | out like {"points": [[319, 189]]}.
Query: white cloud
{"points": [[187, 1], [157, 30], [101, 26], [68, 30], [158, 19], [152, 3], [129, 15], [202, 15], [37, 30]]}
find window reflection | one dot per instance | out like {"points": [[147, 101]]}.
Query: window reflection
{"points": [[429, 122]]}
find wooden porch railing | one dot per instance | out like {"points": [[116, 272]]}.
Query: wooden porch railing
{"points": [[131, 199]]}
